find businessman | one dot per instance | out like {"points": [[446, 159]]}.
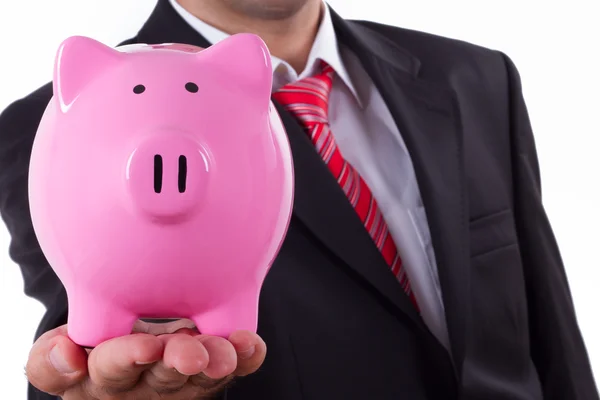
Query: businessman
{"points": [[419, 263]]}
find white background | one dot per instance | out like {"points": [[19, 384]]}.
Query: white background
{"points": [[554, 45]]}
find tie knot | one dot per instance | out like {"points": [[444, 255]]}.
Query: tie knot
{"points": [[308, 98]]}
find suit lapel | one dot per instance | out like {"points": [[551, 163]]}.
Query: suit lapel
{"points": [[428, 119], [321, 205]]}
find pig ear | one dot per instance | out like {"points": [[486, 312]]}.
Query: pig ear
{"points": [[246, 58], [78, 60]]}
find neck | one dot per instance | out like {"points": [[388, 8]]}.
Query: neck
{"points": [[289, 37]]}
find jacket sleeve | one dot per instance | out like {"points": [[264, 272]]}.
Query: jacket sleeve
{"points": [[18, 125], [557, 347]]}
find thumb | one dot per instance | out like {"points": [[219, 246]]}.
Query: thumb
{"points": [[55, 362]]}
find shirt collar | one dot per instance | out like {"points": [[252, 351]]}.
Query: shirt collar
{"points": [[325, 48]]}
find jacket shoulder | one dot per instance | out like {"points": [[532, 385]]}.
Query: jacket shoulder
{"points": [[22, 113], [423, 43], [20, 119], [18, 125], [441, 57]]}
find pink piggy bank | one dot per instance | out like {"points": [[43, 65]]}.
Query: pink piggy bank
{"points": [[161, 184]]}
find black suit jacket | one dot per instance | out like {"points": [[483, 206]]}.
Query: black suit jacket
{"points": [[336, 322]]}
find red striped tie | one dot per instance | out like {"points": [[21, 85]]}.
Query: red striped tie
{"points": [[307, 100]]}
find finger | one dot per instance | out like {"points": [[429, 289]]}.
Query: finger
{"points": [[116, 365], [183, 356], [222, 358], [55, 362], [251, 352], [187, 331]]}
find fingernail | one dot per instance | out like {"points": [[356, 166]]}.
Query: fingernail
{"points": [[246, 354], [58, 361]]}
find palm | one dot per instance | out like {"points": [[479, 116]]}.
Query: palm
{"points": [[169, 361]]}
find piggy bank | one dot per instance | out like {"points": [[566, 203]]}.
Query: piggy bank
{"points": [[161, 184]]}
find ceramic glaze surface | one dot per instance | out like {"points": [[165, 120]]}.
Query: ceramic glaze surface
{"points": [[161, 184]]}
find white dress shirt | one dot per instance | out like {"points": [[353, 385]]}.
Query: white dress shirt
{"points": [[369, 140]]}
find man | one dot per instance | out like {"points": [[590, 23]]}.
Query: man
{"points": [[446, 283]]}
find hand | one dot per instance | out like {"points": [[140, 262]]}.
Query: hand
{"points": [[169, 361]]}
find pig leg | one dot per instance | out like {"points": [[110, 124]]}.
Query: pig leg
{"points": [[237, 313], [92, 321]]}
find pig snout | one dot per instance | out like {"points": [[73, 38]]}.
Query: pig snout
{"points": [[167, 176]]}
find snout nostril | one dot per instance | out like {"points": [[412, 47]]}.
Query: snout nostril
{"points": [[158, 173], [182, 178]]}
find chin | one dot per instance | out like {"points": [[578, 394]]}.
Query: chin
{"points": [[268, 9]]}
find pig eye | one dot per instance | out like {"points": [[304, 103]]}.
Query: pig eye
{"points": [[191, 87], [139, 89]]}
